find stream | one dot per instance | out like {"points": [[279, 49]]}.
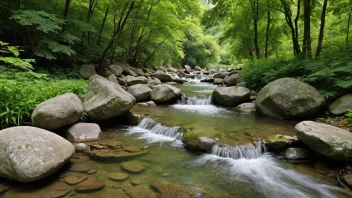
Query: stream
{"points": [[240, 169]]}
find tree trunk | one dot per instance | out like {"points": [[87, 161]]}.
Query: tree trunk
{"points": [[67, 7], [255, 11], [267, 35], [322, 26], [103, 24], [307, 45], [348, 26]]}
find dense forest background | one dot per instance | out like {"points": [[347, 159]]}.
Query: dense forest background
{"points": [[43, 41]]}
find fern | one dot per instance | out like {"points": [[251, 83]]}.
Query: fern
{"points": [[348, 119]]}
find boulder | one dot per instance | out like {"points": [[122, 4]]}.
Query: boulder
{"points": [[57, 112], [116, 69], [197, 68], [329, 141], [242, 84], [188, 68], [288, 98], [113, 79], [341, 105], [105, 100], [95, 76], [196, 143], [153, 81], [218, 81], [131, 80], [230, 96], [29, 154], [84, 132], [171, 69], [162, 76], [128, 70], [221, 75], [140, 91], [232, 80], [278, 143], [165, 93], [246, 107], [87, 70]]}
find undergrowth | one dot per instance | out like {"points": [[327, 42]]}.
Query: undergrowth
{"points": [[348, 118], [331, 74], [21, 92]]}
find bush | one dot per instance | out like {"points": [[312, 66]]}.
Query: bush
{"points": [[348, 119], [20, 95], [330, 74]]}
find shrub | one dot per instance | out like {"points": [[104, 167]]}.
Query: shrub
{"points": [[21, 95], [348, 119], [330, 74]]}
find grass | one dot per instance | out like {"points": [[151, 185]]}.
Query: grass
{"points": [[21, 92]]}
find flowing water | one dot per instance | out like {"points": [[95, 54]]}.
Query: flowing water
{"points": [[237, 166]]}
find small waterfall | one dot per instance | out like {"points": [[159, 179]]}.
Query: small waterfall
{"points": [[247, 151], [194, 100], [151, 125]]}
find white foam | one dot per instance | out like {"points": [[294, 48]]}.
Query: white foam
{"points": [[149, 136], [269, 177], [200, 109]]}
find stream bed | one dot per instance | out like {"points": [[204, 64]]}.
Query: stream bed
{"points": [[252, 173]]}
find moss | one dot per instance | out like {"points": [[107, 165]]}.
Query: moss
{"points": [[20, 147], [190, 139]]}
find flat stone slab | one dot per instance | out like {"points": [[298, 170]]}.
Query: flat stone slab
{"points": [[117, 176], [140, 191], [89, 185], [81, 168], [132, 167], [73, 180]]}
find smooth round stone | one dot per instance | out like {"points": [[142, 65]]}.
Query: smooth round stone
{"points": [[348, 180], [89, 185], [78, 158], [81, 168], [132, 167], [92, 171], [117, 176], [136, 182], [73, 180]]}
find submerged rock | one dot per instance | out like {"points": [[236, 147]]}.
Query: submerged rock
{"points": [[75, 179], [105, 100], [288, 98], [170, 190], [165, 93], [341, 105], [84, 132], [58, 112], [140, 91], [118, 176], [132, 167], [246, 107], [89, 185], [29, 154], [230, 96], [329, 141], [140, 191]]}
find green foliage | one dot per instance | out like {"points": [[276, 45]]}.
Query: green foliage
{"points": [[348, 119], [21, 92], [10, 58], [331, 74]]}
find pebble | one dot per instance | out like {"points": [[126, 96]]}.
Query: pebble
{"points": [[89, 185], [73, 180]]}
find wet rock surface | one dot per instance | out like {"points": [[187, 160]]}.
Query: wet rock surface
{"points": [[118, 176], [132, 167], [89, 185]]}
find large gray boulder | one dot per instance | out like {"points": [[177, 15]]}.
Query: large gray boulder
{"points": [[218, 81], [128, 70], [140, 91], [288, 98], [329, 141], [87, 70], [341, 105], [230, 96], [162, 76], [116, 69], [131, 80], [165, 93], [58, 112], [105, 100], [84, 132], [197, 68], [232, 79], [29, 154], [221, 75], [153, 81]]}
